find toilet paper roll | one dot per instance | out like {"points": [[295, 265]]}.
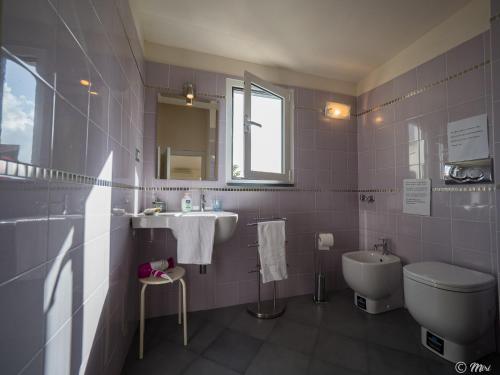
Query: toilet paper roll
{"points": [[325, 241]]}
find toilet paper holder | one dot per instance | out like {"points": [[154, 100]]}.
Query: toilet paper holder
{"points": [[324, 241]]}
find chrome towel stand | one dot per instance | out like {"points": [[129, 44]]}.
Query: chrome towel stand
{"points": [[265, 309]]}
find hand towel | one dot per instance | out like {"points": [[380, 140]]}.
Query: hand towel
{"points": [[272, 250], [195, 238]]}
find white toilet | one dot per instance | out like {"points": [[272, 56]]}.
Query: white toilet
{"points": [[455, 308]]}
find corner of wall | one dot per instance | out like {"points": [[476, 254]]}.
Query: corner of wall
{"points": [[470, 21]]}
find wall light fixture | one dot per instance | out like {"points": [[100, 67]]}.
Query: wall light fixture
{"points": [[189, 92], [338, 110]]}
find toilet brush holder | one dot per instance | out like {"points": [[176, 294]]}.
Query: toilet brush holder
{"points": [[320, 288], [324, 242]]}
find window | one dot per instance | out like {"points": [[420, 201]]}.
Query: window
{"points": [[259, 132], [19, 123]]}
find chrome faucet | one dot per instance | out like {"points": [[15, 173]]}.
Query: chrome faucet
{"points": [[203, 200], [384, 245]]}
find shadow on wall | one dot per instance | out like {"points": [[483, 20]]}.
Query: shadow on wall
{"points": [[87, 300], [75, 312]]}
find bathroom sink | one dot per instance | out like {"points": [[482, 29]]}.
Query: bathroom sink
{"points": [[375, 278], [225, 222]]}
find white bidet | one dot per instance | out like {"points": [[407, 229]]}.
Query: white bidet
{"points": [[376, 279]]}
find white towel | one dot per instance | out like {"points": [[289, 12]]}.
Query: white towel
{"points": [[272, 250], [195, 238]]}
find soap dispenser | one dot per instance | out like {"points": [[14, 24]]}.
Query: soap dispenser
{"points": [[187, 202]]}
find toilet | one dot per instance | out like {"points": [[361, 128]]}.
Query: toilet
{"points": [[455, 308]]}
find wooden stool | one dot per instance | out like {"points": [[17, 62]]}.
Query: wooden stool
{"points": [[175, 274]]}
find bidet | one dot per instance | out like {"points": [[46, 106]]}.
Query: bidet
{"points": [[376, 279]]}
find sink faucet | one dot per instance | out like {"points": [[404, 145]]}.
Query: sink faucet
{"points": [[203, 200], [384, 245]]}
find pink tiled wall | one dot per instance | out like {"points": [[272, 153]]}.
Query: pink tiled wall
{"points": [[67, 288], [326, 158], [408, 139]]}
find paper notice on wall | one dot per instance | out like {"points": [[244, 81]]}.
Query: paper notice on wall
{"points": [[468, 139], [417, 196]]}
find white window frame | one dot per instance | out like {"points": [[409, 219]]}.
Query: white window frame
{"points": [[254, 177]]}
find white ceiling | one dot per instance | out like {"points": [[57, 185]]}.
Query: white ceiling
{"points": [[339, 39]]}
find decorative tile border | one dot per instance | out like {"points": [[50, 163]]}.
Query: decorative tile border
{"points": [[468, 189], [253, 189], [409, 94], [423, 89], [454, 189], [23, 171]]}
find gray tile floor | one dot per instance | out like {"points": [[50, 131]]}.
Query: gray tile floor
{"points": [[334, 338]]}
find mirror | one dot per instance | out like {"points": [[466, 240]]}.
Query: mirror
{"points": [[186, 139]]}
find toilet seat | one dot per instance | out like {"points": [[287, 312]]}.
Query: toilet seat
{"points": [[449, 277]]}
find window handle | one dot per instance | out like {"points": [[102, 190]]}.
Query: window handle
{"points": [[249, 123], [253, 123]]}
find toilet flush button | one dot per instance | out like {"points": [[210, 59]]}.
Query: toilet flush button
{"points": [[475, 173]]}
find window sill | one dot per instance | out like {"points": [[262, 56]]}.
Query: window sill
{"points": [[256, 184]]}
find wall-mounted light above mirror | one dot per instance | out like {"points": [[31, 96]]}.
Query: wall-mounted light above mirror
{"points": [[189, 93]]}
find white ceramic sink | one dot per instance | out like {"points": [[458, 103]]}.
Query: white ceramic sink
{"points": [[225, 222]]}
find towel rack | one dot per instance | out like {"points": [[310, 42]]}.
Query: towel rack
{"points": [[265, 309], [258, 220], [256, 244]]}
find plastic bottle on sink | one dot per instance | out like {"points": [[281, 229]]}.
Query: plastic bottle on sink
{"points": [[186, 203]]}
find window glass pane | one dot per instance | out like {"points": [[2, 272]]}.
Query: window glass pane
{"points": [[238, 134], [266, 152], [18, 114]]}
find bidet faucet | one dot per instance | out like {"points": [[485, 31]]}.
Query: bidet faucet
{"points": [[384, 245]]}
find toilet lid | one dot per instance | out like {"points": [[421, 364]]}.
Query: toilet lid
{"points": [[449, 277]]}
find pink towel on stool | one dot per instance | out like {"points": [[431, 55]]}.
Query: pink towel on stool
{"points": [[155, 268]]}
